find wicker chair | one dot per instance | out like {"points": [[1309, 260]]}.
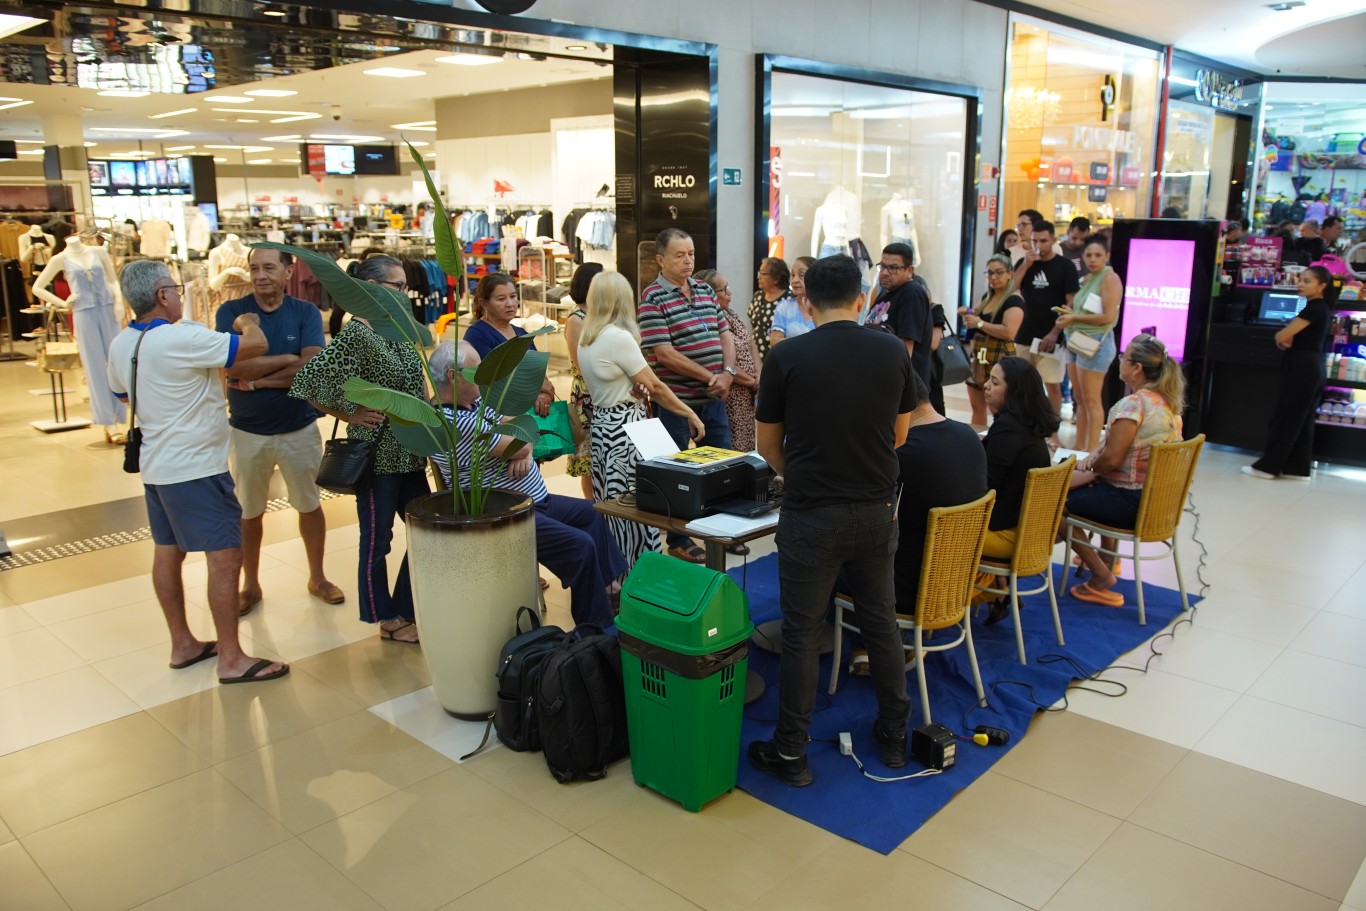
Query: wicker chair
{"points": [[1045, 494], [1171, 468], [953, 549]]}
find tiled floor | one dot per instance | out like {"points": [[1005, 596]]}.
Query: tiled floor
{"points": [[1230, 776]]}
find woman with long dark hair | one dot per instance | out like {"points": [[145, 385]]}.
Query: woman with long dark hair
{"points": [[1017, 442], [994, 327], [495, 307], [1290, 438]]}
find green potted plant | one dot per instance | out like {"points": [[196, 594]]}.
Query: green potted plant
{"points": [[471, 552]]}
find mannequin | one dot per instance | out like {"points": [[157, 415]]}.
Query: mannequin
{"points": [[897, 225], [836, 222], [229, 276], [93, 300], [156, 238], [196, 229], [35, 249]]}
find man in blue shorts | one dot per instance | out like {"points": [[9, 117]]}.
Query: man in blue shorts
{"points": [[177, 397]]}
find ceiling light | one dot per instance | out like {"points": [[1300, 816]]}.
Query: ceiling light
{"points": [[293, 138], [293, 116], [1282, 7], [418, 144], [10, 25], [340, 137], [124, 93], [172, 113], [466, 59], [274, 12], [178, 148], [171, 134], [422, 126], [229, 99], [90, 144], [395, 72], [271, 93], [244, 148], [159, 131], [245, 120], [7, 103], [28, 142], [221, 160], [259, 161], [31, 152], [576, 47]]}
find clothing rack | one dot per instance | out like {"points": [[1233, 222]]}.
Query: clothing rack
{"points": [[9, 354]]}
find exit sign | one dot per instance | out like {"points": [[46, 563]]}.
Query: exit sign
{"points": [[731, 177]]}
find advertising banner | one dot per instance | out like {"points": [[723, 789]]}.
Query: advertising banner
{"points": [[1157, 292]]}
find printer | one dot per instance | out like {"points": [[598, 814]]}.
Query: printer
{"points": [[684, 490]]}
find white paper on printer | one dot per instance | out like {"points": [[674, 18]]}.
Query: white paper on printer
{"points": [[651, 439]]}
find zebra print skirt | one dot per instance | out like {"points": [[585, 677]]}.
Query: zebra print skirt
{"points": [[614, 473]]}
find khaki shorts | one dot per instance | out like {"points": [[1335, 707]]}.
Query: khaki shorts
{"points": [[255, 456], [1049, 367]]}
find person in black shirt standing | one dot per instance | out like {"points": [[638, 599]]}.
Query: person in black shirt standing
{"points": [[1290, 438], [903, 308], [833, 406], [1045, 280]]}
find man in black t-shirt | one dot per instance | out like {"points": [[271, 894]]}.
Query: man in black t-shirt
{"points": [[833, 406], [1045, 280], [903, 307]]}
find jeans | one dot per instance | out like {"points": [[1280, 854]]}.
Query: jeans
{"points": [[387, 497], [574, 542], [713, 417], [814, 547]]}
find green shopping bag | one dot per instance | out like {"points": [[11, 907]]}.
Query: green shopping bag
{"points": [[557, 433]]}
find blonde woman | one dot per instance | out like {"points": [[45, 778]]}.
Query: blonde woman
{"points": [[993, 326], [613, 367]]}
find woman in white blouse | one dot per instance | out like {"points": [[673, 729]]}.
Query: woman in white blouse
{"points": [[613, 367]]}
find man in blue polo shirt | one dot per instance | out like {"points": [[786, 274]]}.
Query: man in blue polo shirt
{"points": [[269, 429]]}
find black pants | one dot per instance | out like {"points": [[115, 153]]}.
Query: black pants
{"points": [[1290, 438]]}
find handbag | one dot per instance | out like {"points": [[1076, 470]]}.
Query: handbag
{"points": [[1081, 344], [348, 466], [132, 444], [557, 433], [957, 369]]}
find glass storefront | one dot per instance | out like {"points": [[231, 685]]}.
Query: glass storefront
{"points": [[853, 167], [1080, 119]]}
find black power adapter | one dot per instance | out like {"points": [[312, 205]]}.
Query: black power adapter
{"points": [[934, 746]]}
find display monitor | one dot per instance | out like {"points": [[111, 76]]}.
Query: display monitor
{"points": [[99, 173], [340, 159], [123, 174], [1279, 307], [1157, 291], [145, 176], [376, 160]]}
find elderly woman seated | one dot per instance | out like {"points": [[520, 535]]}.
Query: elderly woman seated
{"points": [[1108, 484], [572, 540]]}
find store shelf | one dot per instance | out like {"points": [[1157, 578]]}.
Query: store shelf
{"points": [[1343, 426], [1345, 384]]}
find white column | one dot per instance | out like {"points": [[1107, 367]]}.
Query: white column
{"points": [[65, 158]]}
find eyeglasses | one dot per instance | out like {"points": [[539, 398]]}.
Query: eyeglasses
{"points": [[997, 273], [885, 267], [397, 286], [178, 289], [720, 291]]}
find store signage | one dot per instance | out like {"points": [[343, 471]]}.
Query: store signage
{"points": [[982, 202], [1100, 172], [1097, 194], [1220, 92], [732, 177], [1157, 291], [992, 208], [1128, 177], [1063, 171], [1104, 139], [317, 160], [1361, 147], [1107, 98]]}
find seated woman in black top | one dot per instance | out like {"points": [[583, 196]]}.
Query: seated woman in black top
{"points": [[1016, 442]]}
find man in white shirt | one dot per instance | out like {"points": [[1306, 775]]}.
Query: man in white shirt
{"points": [[169, 369]]}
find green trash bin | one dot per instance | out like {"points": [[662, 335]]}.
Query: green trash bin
{"points": [[684, 633]]}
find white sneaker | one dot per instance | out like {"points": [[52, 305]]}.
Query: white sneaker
{"points": [[1302, 478], [1258, 473]]}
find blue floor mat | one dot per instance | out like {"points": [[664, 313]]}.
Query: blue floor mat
{"points": [[883, 815]]}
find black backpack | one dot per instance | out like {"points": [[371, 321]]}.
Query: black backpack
{"points": [[581, 706], [519, 669]]}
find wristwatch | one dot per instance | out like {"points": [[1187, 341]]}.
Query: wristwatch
{"points": [[729, 369]]}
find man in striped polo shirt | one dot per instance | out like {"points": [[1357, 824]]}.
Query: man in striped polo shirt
{"points": [[688, 343]]}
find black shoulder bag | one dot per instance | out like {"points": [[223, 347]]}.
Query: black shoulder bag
{"points": [[132, 446], [348, 466]]}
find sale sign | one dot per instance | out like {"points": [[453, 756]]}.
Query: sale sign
{"points": [[1157, 292]]}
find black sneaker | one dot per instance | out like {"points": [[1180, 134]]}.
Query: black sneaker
{"points": [[891, 745], [763, 755]]}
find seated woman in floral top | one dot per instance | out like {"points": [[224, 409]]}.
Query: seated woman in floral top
{"points": [[399, 476], [1108, 484]]}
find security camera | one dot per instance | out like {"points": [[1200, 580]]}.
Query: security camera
{"points": [[336, 111]]}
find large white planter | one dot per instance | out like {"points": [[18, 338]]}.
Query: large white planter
{"points": [[470, 574]]}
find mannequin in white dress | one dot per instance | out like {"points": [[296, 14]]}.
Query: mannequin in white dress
{"points": [[229, 275], [898, 225], [93, 304], [836, 222]]}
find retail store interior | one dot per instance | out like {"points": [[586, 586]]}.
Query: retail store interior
{"points": [[1227, 776]]}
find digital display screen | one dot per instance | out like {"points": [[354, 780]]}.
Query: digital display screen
{"points": [[123, 174], [146, 177], [1157, 291], [1279, 307], [376, 160], [99, 173], [340, 159]]}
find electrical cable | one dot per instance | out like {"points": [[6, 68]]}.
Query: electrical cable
{"points": [[923, 773]]}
